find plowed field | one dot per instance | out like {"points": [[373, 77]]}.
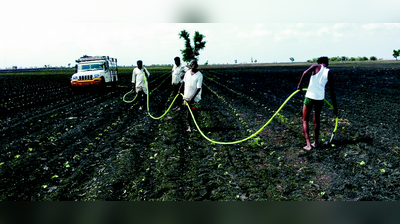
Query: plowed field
{"points": [[59, 144]]}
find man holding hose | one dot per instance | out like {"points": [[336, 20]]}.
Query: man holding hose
{"points": [[138, 82], [192, 93], [178, 72], [315, 95]]}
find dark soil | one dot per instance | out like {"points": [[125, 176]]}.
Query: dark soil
{"points": [[59, 144]]}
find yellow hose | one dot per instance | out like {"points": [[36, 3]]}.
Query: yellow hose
{"points": [[148, 109], [265, 125], [129, 101]]}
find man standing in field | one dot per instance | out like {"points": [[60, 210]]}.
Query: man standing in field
{"points": [[193, 81], [138, 76], [315, 95], [178, 72]]}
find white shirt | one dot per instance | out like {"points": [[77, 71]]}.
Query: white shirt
{"points": [[192, 83], [316, 87], [138, 78], [177, 72]]}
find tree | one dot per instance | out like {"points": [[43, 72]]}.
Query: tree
{"points": [[292, 59], [362, 58], [190, 53], [396, 53], [373, 58]]}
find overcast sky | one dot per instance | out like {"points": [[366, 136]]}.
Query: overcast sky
{"points": [[39, 33]]}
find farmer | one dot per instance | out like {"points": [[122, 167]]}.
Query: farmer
{"points": [[192, 90], [315, 95], [138, 78], [178, 72]]}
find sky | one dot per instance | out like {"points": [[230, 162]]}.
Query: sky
{"points": [[39, 33]]}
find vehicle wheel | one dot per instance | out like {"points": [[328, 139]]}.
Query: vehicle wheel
{"points": [[114, 83], [102, 82], [74, 89]]}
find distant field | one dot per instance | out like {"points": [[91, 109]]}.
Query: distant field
{"points": [[56, 144]]}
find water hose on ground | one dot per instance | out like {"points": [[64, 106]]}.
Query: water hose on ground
{"points": [[148, 109], [126, 94], [133, 90], [265, 125]]}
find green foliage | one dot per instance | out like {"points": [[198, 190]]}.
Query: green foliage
{"points": [[344, 58], [190, 52], [338, 58], [199, 44], [291, 59], [187, 53], [396, 53]]}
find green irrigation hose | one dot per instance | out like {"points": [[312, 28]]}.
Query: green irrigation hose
{"points": [[133, 90], [336, 120], [148, 109], [265, 125], [129, 101], [165, 113]]}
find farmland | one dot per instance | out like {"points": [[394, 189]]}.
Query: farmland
{"points": [[59, 144]]}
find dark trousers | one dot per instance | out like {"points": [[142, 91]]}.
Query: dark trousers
{"points": [[142, 97], [195, 111]]}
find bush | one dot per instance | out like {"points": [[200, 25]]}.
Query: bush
{"points": [[333, 59], [373, 58], [362, 59]]}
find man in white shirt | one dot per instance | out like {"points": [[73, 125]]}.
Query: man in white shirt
{"points": [[192, 93], [138, 76], [178, 72]]}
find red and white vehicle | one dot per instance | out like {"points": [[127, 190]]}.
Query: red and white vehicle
{"points": [[95, 70]]}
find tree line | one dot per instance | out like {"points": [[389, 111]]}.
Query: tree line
{"points": [[344, 58], [396, 53]]}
